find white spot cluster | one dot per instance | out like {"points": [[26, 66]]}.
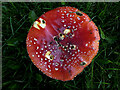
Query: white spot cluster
{"points": [[68, 62], [68, 19], [30, 41]]}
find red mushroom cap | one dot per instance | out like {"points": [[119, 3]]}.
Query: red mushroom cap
{"points": [[62, 42]]}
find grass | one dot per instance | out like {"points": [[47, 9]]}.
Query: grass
{"points": [[19, 72]]}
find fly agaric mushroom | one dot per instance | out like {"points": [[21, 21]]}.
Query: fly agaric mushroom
{"points": [[62, 42]]}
